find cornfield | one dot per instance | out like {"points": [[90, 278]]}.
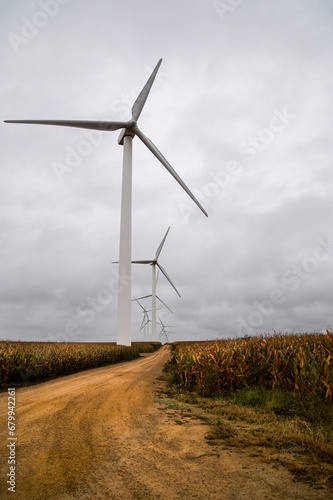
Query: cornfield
{"points": [[25, 362], [302, 363]]}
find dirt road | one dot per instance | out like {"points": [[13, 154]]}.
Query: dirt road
{"points": [[102, 434]]}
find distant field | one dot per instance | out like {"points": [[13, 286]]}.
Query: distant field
{"points": [[22, 363]]}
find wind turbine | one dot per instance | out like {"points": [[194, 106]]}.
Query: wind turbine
{"points": [[154, 263], [145, 313], [166, 333], [129, 131], [145, 326], [147, 296], [145, 320]]}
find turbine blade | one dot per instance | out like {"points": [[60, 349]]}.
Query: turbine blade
{"points": [[164, 304], [143, 326], [142, 97], [139, 303], [167, 277], [167, 165], [94, 125], [144, 297], [142, 261], [158, 251]]}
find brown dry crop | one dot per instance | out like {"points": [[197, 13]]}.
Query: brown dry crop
{"points": [[26, 362], [299, 362]]}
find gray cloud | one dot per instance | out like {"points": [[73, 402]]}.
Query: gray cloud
{"points": [[241, 109]]}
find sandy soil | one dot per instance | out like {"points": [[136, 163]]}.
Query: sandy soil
{"points": [[102, 434]]}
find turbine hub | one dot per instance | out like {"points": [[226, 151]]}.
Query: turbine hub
{"points": [[131, 124], [129, 130]]}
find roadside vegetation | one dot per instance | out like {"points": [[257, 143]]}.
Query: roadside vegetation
{"points": [[23, 363], [270, 394]]}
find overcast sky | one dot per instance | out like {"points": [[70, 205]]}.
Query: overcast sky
{"points": [[241, 108]]}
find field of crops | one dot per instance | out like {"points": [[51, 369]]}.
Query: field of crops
{"points": [[302, 363], [26, 362]]}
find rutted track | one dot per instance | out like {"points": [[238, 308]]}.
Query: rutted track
{"points": [[99, 434]]}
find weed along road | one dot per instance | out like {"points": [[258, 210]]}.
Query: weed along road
{"points": [[104, 434]]}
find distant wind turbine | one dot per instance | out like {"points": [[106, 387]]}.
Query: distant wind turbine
{"points": [[164, 330], [154, 263], [160, 300], [146, 320], [130, 130], [146, 316]]}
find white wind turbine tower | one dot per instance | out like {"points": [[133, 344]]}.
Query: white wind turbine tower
{"points": [[154, 263], [130, 130]]}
